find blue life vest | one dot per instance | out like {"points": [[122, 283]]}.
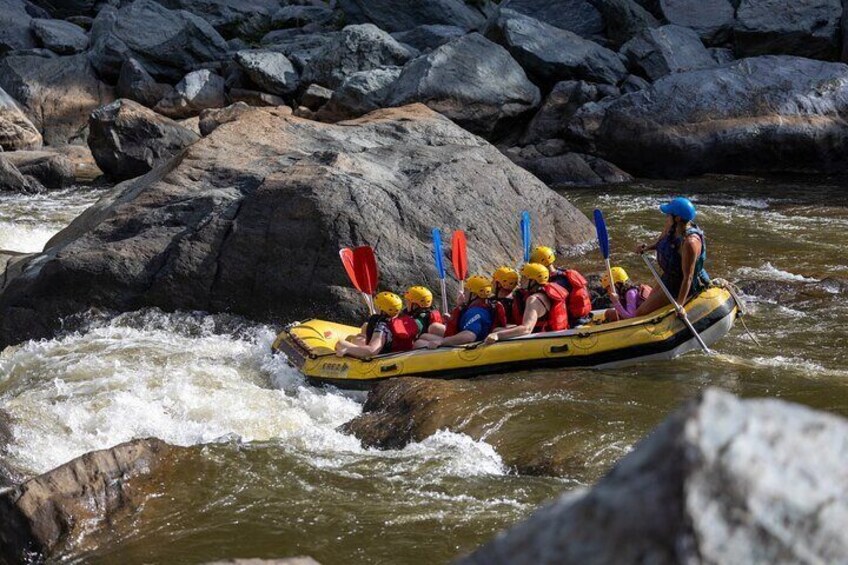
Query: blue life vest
{"points": [[668, 256]]}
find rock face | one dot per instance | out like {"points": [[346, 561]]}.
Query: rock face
{"points": [[493, 90], [127, 140], [361, 93], [271, 71], [712, 20], [721, 481], [197, 91], [549, 54], [57, 94], [774, 113], [262, 204], [168, 43], [355, 48], [395, 16], [44, 511], [15, 30], [578, 16], [655, 53], [809, 28], [16, 131], [59, 36], [135, 83]]}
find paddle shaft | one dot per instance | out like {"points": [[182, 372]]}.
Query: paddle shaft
{"points": [[445, 305], [609, 273], [676, 306]]}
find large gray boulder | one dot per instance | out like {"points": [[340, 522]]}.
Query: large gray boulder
{"points": [[493, 91], [197, 91], [47, 510], [355, 48], [269, 70], [393, 16], [550, 55], [722, 480], [15, 32], [56, 93], [655, 53], [135, 83], [771, 113], [250, 220], [807, 28], [557, 167], [127, 140], [231, 18], [361, 93], [16, 131], [59, 36], [168, 43], [712, 20], [425, 38], [578, 16], [299, 47]]}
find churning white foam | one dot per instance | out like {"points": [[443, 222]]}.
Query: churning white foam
{"points": [[770, 272], [178, 378], [17, 236]]}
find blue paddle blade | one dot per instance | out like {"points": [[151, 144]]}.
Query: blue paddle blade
{"points": [[603, 238], [437, 252], [525, 234]]}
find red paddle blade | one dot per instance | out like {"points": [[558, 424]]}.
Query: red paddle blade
{"points": [[365, 265], [459, 255], [346, 255]]}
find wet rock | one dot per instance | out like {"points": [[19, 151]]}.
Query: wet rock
{"points": [[425, 38], [270, 70], [401, 16], [168, 43], [361, 93], [722, 480], [51, 170], [7, 475], [128, 140], [558, 168], [197, 91], [249, 212], [240, 18], [494, 89], [712, 20], [668, 49], [45, 511], [255, 98], [773, 113], [211, 119], [549, 54], [299, 16], [60, 37], [12, 180], [623, 19], [807, 28], [577, 16], [15, 32], [355, 48], [315, 96], [135, 83], [795, 292], [57, 94], [553, 118], [16, 131]]}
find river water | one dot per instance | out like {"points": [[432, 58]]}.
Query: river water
{"points": [[271, 476]]}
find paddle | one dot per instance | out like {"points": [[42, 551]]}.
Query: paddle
{"points": [[525, 234], [438, 254], [360, 264], [677, 306], [459, 255], [603, 243]]}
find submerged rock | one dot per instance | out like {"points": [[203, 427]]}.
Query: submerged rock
{"points": [[16, 131], [43, 512], [722, 480], [773, 113], [250, 219]]}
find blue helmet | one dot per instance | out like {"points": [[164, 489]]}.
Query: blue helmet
{"points": [[681, 207]]}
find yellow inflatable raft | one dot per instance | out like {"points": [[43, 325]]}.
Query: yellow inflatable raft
{"points": [[308, 346]]}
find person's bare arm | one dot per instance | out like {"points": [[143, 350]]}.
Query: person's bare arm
{"points": [[689, 253], [372, 348], [534, 309]]}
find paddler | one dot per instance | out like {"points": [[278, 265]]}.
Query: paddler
{"points": [[579, 302], [419, 307], [681, 252], [385, 332], [505, 281], [626, 297], [541, 305]]}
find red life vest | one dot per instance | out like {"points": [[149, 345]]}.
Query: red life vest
{"points": [[555, 319], [404, 332], [579, 301]]}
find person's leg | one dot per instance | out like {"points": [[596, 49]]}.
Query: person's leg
{"points": [[656, 300], [459, 339]]}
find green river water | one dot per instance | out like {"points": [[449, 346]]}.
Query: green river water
{"points": [[270, 476]]}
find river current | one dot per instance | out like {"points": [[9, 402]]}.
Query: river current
{"points": [[269, 474]]}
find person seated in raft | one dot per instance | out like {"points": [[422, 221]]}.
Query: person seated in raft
{"points": [[681, 252], [505, 281], [385, 332], [472, 319], [626, 296], [419, 307], [541, 305], [579, 302]]}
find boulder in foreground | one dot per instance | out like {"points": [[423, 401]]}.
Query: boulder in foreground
{"points": [[723, 480]]}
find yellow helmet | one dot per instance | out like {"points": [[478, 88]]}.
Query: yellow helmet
{"points": [[506, 277], [543, 255], [536, 272], [619, 275], [388, 303], [479, 286], [419, 296]]}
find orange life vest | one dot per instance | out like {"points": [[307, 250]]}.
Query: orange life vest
{"points": [[579, 301], [555, 319]]}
